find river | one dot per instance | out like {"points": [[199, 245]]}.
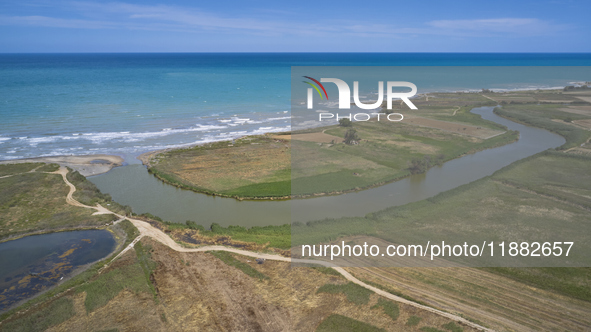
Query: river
{"points": [[133, 185]]}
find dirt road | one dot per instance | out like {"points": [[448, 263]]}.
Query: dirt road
{"points": [[146, 229]]}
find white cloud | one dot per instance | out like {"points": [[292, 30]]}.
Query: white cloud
{"points": [[120, 15], [518, 26]]}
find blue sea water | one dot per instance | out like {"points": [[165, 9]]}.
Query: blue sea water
{"points": [[127, 104]]}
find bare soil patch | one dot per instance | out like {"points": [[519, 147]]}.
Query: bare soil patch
{"points": [[587, 99], [585, 123], [583, 110]]}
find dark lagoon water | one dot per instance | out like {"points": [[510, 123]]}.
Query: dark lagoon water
{"points": [[133, 185], [34, 263]]}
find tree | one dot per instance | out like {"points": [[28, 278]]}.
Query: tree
{"points": [[420, 165], [351, 137], [345, 122]]}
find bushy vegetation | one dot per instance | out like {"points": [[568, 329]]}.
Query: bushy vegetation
{"points": [[413, 321], [390, 308], [453, 327], [52, 313], [13, 169], [131, 232], [104, 288], [345, 324], [229, 259], [87, 193], [430, 329], [345, 122], [37, 202], [351, 137], [355, 293], [274, 236], [421, 165], [148, 266], [134, 277]]}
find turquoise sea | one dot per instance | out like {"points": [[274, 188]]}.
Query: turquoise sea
{"points": [[126, 104]]}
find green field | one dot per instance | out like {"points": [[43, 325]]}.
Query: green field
{"points": [[544, 197]]}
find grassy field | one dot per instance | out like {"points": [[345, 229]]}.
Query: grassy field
{"points": [[550, 191], [345, 324], [538, 199], [102, 289], [36, 201], [53, 313], [201, 291], [317, 161], [254, 166]]}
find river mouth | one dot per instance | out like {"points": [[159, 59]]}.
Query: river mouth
{"points": [[35, 263], [132, 185]]}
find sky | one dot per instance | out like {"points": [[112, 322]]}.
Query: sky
{"points": [[294, 26]]}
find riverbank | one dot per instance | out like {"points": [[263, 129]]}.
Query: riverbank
{"points": [[316, 162]]}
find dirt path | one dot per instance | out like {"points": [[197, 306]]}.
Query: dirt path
{"points": [[146, 229], [485, 96]]}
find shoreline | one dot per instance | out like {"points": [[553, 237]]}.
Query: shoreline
{"points": [[87, 165], [55, 230]]}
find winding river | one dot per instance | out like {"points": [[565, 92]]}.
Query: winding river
{"points": [[133, 185]]}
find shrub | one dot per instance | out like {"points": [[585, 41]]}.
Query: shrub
{"points": [[345, 122], [351, 137]]}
